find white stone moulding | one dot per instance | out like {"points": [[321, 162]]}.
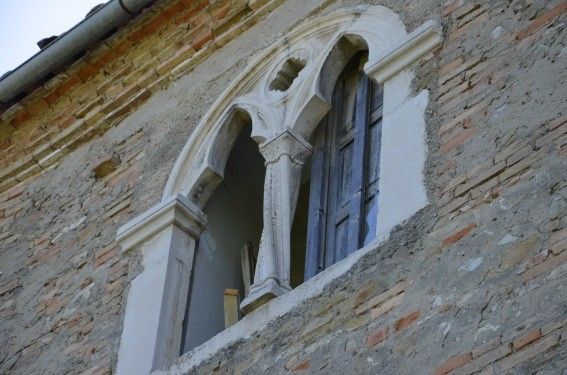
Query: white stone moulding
{"points": [[417, 44], [282, 123], [175, 210], [166, 234]]}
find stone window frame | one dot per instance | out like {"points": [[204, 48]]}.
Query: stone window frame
{"points": [[282, 122]]}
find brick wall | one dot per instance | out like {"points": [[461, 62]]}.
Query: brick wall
{"points": [[113, 79], [475, 283]]}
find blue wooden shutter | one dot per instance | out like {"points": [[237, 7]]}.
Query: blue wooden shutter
{"points": [[344, 177]]}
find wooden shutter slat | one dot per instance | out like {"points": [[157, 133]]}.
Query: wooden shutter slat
{"points": [[317, 209], [358, 162]]}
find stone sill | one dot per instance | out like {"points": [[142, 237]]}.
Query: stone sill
{"points": [[264, 315]]}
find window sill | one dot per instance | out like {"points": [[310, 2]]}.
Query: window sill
{"points": [[269, 312]]}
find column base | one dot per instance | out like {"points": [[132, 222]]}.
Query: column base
{"points": [[262, 292]]}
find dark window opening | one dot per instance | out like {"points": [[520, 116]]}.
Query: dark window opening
{"points": [[287, 74], [234, 214], [299, 228]]}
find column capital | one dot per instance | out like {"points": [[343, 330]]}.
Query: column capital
{"points": [[286, 143], [177, 211]]}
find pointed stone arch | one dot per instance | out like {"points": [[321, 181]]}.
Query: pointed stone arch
{"points": [[323, 43]]}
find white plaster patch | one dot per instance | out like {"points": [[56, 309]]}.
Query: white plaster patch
{"points": [[497, 32], [402, 158], [471, 264], [437, 301], [507, 239], [65, 230], [446, 327], [487, 327]]}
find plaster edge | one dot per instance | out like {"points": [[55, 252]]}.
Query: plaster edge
{"points": [[267, 313], [177, 210], [418, 43]]}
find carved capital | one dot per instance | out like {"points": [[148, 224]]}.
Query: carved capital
{"points": [[284, 155], [286, 143]]}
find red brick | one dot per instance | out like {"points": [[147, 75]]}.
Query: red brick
{"points": [[86, 72], [20, 118], [459, 235], [450, 8], [221, 12], [52, 97], [545, 266], [542, 21], [450, 66], [528, 353], [187, 16], [156, 23], [105, 255], [381, 298], [200, 19], [459, 139], [302, 366], [453, 363], [65, 121], [113, 53], [138, 35], [377, 337], [200, 40], [37, 106], [53, 305], [69, 84], [526, 339], [9, 287], [407, 320], [114, 285], [173, 10]]}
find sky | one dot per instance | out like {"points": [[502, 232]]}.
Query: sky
{"points": [[25, 22]]}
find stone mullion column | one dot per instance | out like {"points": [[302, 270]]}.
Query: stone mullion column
{"points": [[157, 299], [284, 157]]}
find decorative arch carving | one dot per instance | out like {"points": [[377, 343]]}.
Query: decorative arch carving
{"points": [[325, 44]]}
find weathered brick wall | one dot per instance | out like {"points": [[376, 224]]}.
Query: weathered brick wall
{"points": [[476, 282], [100, 89]]}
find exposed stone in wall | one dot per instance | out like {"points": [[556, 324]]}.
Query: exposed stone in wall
{"points": [[475, 283]]}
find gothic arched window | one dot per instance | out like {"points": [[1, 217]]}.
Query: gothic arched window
{"points": [[343, 197]]}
